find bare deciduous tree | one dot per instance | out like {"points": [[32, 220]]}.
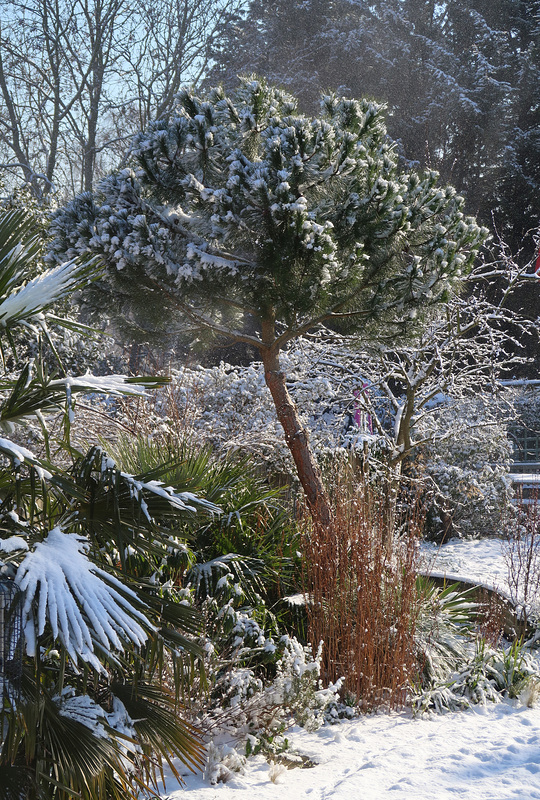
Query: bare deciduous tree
{"points": [[79, 77]]}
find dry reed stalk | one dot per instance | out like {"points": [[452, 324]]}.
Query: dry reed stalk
{"points": [[522, 553], [492, 617], [362, 600], [176, 410]]}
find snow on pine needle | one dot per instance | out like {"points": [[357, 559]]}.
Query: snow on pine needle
{"points": [[82, 603]]}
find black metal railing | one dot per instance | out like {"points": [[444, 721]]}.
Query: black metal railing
{"points": [[11, 641]]}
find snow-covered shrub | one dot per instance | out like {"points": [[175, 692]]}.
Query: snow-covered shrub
{"points": [[221, 762], [487, 675], [527, 406], [68, 526], [470, 471], [297, 688], [230, 407], [251, 707]]}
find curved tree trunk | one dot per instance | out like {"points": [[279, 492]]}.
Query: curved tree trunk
{"points": [[297, 439]]}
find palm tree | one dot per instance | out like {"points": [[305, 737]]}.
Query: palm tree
{"points": [[98, 704]]}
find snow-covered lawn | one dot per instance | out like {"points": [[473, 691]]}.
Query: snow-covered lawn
{"points": [[481, 560], [481, 754], [485, 753]]}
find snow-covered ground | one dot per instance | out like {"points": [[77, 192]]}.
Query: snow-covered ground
{"points": [[481, 560], [485, 753], [479, 754]]}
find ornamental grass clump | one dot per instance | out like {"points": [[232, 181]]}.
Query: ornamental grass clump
{"points": [[362, 601], [521, 551]]}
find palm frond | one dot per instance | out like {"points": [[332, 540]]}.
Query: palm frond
{"points": [[55, 752], [156, 714], [69, 535], [207, 577], [23, 295], [251, 539], [19, 248], [33, 391], [16, 781], [71, 596], [119, 507], [43, 291]]}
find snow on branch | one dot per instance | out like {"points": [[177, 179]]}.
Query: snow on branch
{"points": [[83, 604]]}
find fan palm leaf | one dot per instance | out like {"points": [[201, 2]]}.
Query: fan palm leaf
{"points": [[23, 294], [251, 520], [66, 533]]}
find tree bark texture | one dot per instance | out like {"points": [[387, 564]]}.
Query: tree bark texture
{"points": [[297, 439]]}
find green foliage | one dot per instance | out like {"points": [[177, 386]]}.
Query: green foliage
{"points": [[461, 80], [95, 705], [250, 542], [446, 622], [241, 211], [470, 471], [458, 667], [487, 675]]}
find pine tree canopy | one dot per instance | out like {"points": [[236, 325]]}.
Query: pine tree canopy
{"points": [[257, 222], [461, 79]]}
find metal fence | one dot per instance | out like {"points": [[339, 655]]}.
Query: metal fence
{"points": [[10, 641], [526, 450]]}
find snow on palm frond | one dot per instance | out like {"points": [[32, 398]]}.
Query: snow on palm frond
{"points": [[138, 487], [182, 501], [21, 455], [83, 709], [83, 604], [116, 385], [43, 291]]}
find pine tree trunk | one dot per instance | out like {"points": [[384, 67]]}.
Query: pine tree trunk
{"points": [[297, 439]]}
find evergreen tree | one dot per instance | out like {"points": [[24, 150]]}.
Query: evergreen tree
{"points": [[460, 79], [519, 185], [259, 224]]}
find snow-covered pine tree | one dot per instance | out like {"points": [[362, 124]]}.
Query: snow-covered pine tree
{"points": [[260, 224]]}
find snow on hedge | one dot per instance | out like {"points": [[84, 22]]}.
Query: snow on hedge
{"points": [[231, 407]]}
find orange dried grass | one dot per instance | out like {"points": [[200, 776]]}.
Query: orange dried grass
{"points": [[360, 586]]}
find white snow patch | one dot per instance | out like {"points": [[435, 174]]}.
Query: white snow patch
{"points": [[485, 753], [13, 544], [62, 586]]}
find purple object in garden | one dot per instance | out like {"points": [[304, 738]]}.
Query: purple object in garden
{"points": [[361, 417]]}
